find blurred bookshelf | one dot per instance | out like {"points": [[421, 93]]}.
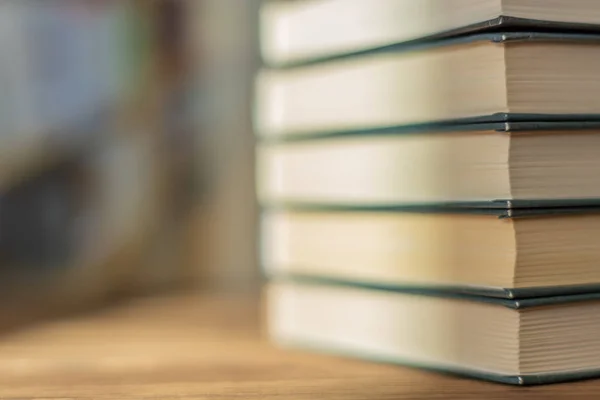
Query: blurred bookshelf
{"points": [[88, 185], [126, 151]]}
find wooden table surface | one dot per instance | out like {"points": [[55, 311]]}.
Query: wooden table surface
{"points": [[205, 347]]}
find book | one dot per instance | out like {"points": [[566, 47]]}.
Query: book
{"points": [[296, 31], [476, 164], [525, 342], [487, 254], [482, 78]]}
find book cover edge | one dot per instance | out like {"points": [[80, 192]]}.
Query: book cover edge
{"points": [[504, 297]]}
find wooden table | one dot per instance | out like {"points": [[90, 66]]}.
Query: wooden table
{"points": [[205, 347]]}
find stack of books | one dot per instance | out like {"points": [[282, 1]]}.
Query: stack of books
{"points": [[429, 173]]}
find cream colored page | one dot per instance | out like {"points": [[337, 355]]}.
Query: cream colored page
{"points": [[309, 29], [573, 11], [383, 90], [391, 249], [386, 170], [396, 327]]}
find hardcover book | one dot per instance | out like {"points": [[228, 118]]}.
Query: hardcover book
{"points": [[518, 76], [532, 253], [504, 165], [520, 342], [297, 31]]}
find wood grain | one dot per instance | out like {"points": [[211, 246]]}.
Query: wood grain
{"points": [[205, 347]]}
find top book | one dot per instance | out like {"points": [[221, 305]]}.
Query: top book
{"points": [[299, 31]]}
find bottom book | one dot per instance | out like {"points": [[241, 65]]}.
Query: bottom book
{"points": [[520, 342]]}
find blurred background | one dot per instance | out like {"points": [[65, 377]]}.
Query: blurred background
{"points": [[126, 151]]}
